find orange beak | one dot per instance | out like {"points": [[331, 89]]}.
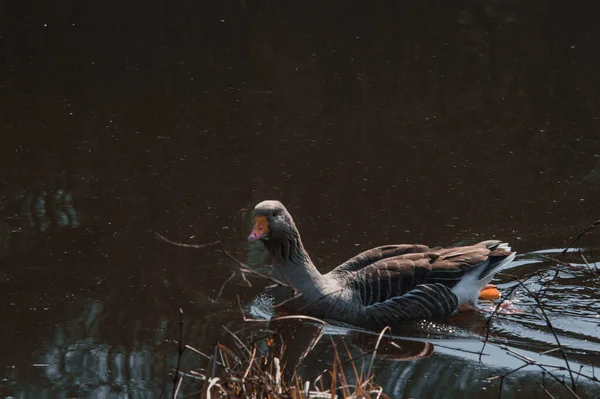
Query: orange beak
{"points": [[260, 229]]}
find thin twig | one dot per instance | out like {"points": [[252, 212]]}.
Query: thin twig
{"points": [[250, 364], [370, 369], [240, 264], [320, 298], [239, 341], [578, 374], [545, 390], [562, 382], [350, 360], [244, 314], [193, 374], [544, 367], [245, 279], [198, 352], [176, 377], [176, 392], [215, 362], [537, 297], [184, 245], [589, 266], [267, 277], [206, 356], [590, 228], [356, 376], [509, 373], [223, 286], [277, 305], [236, 260], [193, 394], [494, 313], [544, 289], [551, 327], [549, 351], [457, 349], [300, 317]]}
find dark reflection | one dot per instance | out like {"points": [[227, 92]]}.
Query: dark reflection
{"points": [[391, 348], [32, 215], [437, 123], [296, 338]]}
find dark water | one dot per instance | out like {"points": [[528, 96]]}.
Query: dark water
{"points": [[429, 122]]}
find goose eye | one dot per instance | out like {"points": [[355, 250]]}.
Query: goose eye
{"points": [[274, 213]]}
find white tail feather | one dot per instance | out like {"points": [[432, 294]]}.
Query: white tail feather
{"points": [[468, 288]]}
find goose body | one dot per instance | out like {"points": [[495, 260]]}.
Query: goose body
{"points": [[381, 286]]}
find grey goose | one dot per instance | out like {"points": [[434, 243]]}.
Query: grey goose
{"points": [[381, 286]]}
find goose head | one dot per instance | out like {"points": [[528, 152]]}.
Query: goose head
{"points": [[275, 228], [272, 223]]}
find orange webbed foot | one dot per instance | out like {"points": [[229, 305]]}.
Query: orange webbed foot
{"points": [[489, 292]]}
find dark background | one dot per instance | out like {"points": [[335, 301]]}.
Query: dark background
{"points": [[434, 122]]}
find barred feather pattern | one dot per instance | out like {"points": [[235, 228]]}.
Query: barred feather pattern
{"points": [[377, 283], [376, 254], [384, 285], [424, 301]]}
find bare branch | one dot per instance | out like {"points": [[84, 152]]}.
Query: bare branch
{"points": [[223, 286], [545, 390], [584, 232]]}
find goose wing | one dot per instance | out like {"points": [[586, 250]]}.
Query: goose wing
{"points": [[395, 276], [451, 264], [373, 255], [388, 278]]}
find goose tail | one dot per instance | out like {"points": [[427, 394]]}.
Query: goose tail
{"points": [[468, 288]]}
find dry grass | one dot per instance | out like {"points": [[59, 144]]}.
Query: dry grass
{"points": [[265, 367]]}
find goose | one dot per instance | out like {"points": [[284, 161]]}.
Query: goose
{"points": [[380, 287]]}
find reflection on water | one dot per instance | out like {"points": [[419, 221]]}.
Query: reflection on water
{"points": [[72, 362], [571, 303], [87, 354], [432, 123], [28, 216]]}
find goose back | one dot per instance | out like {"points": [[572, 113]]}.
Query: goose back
{"points": [[373, 255], [393, 276]]}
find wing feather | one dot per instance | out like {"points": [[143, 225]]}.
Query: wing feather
{"points": [[425, 300], [373, 255], [391, 271]]}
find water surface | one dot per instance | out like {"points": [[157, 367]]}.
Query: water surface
{"points": [[424, 122]]}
